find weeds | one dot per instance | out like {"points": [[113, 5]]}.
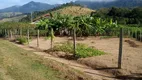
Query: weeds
{"points": [[21, 40], [82, 50]]}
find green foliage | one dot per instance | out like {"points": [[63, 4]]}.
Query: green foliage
{"points": [[122, 15], [85, 25], [16, 25], [22, 40], [133, 32], [82, 51]]}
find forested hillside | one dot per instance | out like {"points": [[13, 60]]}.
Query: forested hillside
{"points": [[105, 4], [122, 15]]}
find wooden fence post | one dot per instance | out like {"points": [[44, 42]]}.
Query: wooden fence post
{"points": [[10, 34], [140, 35], [136, 34], [74, 41], [28, 36], [131, 33], [52, 38], [120, 49], [38, 38], [21, 32], [5, 32], [15, 33], [129, 36]]}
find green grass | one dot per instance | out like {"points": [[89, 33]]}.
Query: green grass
{"points": [[23, 65], [1, 77], [82, 50]]}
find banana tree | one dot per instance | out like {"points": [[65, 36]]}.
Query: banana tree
{"points": [[98, 25], [65, 22], [84, 25], [110, 27]]}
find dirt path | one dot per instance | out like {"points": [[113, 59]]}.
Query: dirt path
{"points": [[96, 75]]}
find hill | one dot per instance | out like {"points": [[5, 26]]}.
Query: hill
{"points": [[68, 9], [107, 4], [74, 10], [93, 4], [29, 7]]}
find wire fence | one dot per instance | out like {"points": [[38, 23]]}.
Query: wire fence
{"points": [[135, 33], [29, 34]]}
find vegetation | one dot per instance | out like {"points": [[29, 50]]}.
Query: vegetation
{"points": [[82, 51], [85, 25], [93, 25], [110, 3], [15, 25], [124, 16], [9, 14], [133, 32], [12, 19], [21, 40]]}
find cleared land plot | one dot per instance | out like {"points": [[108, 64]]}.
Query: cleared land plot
{"points": [[131, 61]]}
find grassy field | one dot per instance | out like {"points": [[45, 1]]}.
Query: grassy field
{"points": [[15, 19], [19, 64], [74, 10]]}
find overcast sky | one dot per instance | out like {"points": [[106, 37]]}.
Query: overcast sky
{"points": [[8, 3]]}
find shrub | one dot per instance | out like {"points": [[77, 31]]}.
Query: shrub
{"points": [[82, 50], [21, 40]]}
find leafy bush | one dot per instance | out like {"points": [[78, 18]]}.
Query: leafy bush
{"points": [[82, 51], [21, 40]]}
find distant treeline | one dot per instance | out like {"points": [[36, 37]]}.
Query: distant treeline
{"points": [[122, 15]]}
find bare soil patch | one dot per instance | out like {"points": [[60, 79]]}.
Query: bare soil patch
{"points": [[131, 61]]}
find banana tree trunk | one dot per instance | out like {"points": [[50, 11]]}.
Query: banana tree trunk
{"points": [[37, 38], [11, 35], [28, 36]]}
